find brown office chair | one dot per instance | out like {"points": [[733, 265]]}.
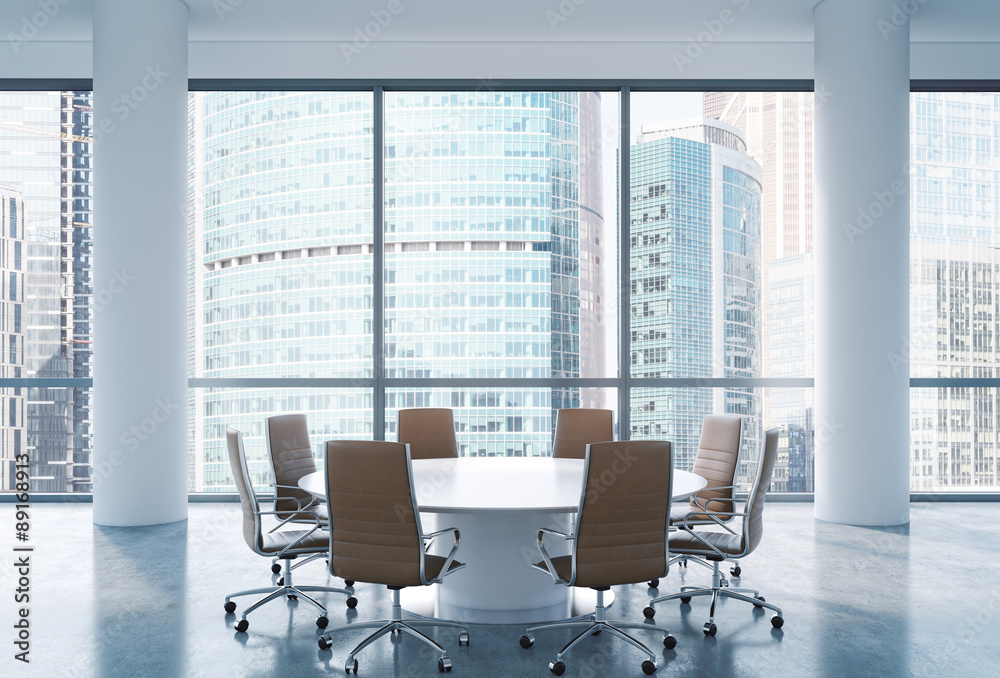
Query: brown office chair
{"points": [[716, 461], [621, 537], [285, 545], [719, 546], [429, 431], [575, 429], [290, 454], [377, 536]]}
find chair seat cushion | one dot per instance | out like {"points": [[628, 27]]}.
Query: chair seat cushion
{"points": [[273, 542], [563, 566], [433, 565], [682, 541]]}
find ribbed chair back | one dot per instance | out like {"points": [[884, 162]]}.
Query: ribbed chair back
{"points": [[430, 432], [622, 522], [291, 458], [374, 533], [576, 428], [248, 498], [717, 458], [753, 522]]}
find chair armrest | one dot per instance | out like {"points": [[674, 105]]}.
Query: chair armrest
{"points": [[556, 579], [714, 515], [451, 554]]}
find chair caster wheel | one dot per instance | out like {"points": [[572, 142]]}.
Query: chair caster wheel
{"points": [[275, 568], [735, 571], [648, 612], [777, 622], [351, 665], [325, 643], [292, 597], [526, 641], [352, 602], [669, 642], [654, 583], [557, 668], [685, 600], [463, 639], [281, 581], [444, 664], [230, 607], [242, 626], [348, 582], [322, 621], [759, 607], [648, 667], [723, 582], [710, 629]]}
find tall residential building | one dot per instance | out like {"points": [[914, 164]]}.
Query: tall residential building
{"points": [[696, 279], [45, 146], [493, 232], [13, 408]]}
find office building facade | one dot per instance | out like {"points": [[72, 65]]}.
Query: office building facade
{"points": [[492, 200], [696, 280]]}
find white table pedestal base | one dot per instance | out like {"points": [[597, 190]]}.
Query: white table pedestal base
{"points": [[498, 584]]}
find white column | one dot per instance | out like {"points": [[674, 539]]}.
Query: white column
{"points": [[140, 247], [862, 261]]}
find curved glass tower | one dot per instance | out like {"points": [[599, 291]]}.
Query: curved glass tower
{"points": [[483, 229], [696, 279]]}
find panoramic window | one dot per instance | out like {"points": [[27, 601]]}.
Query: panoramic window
{"points": [[47, 300], [954, 293]]}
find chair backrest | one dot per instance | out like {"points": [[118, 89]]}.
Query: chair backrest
{"points": [[430, 432], [374, 523], [248, 498], [753, 522], [576, 428], [291, 456], [621, 529], [718, 454]]}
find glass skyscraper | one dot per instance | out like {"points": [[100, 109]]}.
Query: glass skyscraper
{"points": [[488, 197], [696, 279]]}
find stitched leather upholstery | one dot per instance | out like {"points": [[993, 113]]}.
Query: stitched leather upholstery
{"points": [[374, 530], [291, 458], [575, 428], [429, 431]]}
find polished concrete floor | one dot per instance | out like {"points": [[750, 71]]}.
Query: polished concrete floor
{"points": [[921, 600]]}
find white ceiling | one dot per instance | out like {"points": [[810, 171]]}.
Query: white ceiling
{"points": [[515, 20]]}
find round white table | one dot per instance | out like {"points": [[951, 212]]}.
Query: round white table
{"points": [[498, 504]]}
